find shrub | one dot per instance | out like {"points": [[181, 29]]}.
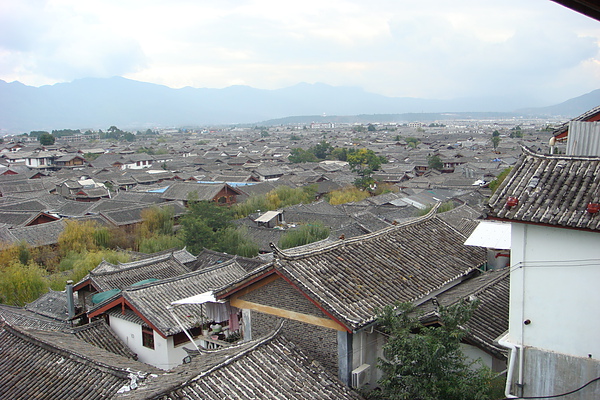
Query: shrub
{"points": [[305, 234], [346, 195], [20, 284]]}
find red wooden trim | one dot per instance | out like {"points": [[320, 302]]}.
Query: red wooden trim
{"points": [[123, 302], [542, 224], [106, 307], [83, 284], [150, 324], [313, 301]]}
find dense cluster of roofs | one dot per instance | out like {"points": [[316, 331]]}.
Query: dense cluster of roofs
{"points": [[297, 323]]}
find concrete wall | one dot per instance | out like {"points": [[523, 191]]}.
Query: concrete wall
{"points": [[553, 373], [554, 308], [367, 348]]}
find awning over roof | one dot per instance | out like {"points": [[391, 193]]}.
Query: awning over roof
{"points": [[494, 235], [266, 217], [207, 297]]}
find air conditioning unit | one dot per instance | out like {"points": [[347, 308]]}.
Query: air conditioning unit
{"points": [[361, 376]]}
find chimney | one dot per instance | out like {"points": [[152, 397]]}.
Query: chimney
{"points": [[70, 303]]}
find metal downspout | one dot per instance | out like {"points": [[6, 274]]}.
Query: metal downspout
{"points": [[515, 351]]}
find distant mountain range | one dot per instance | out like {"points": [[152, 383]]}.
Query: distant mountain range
{"points": [[95, 103]]}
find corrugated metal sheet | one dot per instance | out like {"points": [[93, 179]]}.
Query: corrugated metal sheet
{"points": [[584, 139]]}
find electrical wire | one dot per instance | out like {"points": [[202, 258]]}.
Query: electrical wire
{"points": [[555, 395], [555, 264]]}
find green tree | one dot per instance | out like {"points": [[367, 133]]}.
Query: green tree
{"points": [[236, 241], [37, 134], [78, 237], [298, 155], [321, 150], [208, 225], [495, 133], [412, 142], [496, 141], [340, 153], [435, 162], [371, 128], [46, 139], [364, 162], [426, 362], [157, 220]]}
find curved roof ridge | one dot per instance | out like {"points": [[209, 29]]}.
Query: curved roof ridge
{"points": [[259, 342], [182, 276], [342, 242]]}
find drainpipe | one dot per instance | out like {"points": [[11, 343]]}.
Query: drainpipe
{"points": [[514, 350], [70, 303]]}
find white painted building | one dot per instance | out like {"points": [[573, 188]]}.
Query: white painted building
{"points": [[554, 320]]}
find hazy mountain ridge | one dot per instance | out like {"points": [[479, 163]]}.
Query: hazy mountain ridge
{"points": [[99, 103]]}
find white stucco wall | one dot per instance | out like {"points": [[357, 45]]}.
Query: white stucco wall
{"points": [[131, 334], [164, 355], [474, 353], [555, 274]]}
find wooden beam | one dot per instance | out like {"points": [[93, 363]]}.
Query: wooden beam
{"points": [[309, 319]]}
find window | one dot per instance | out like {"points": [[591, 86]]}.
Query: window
{"points": [[147, 337]]}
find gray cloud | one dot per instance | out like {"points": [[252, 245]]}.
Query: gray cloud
{"points": [[433, 48]]}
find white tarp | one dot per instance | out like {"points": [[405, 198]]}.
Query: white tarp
{"points": [[198, 299], [490, 234]]}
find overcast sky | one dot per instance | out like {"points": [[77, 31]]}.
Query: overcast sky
{"points": [[435, 49]]}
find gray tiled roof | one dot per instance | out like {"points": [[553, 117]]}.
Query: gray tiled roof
{"points": [[553, 190], [209, 258], [132, 214], [270, 368], [463, 218], [182, 190], [72, 208], [152, 299], [353, 277], [107, 276], [38, 235], [490, 319], [52, 304], [99, 334], [24, 205], [18, 316], [17, 218], [55, 365]]}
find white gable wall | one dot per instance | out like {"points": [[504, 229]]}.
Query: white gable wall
{"points": [[554, 284], [131, 333], [164, 355]]}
